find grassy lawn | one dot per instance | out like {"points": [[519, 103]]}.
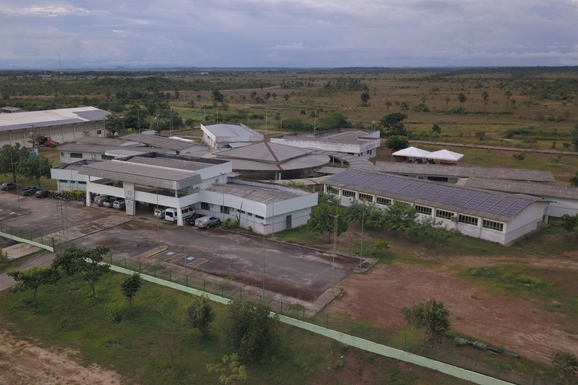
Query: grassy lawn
{"points": [[151, 345]]}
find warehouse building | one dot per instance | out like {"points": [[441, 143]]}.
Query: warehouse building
{"points": [[492, 216]]}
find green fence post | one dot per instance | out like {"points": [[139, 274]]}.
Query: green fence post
{"points": [[404, 343], [281, 307], [222, 295], [326, 321], [204, 284], [351, 327], [187, 279], [125, 262], [466, 362], [53, 248], [155, 272], [171, 275], [499, 367], [303, 317], [139, 266], [534, 381], [111, 258], [41, 240], [20, 233]]}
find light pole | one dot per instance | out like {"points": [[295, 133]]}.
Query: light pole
{"points": [[263, 269], [361, 245], [223, 174], [334, 240], [273, 216], [315, 125]]}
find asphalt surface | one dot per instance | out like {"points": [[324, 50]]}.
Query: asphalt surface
{"points": [[298, 272]]}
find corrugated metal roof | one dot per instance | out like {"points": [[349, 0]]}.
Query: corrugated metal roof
{"points": [[180, 164], [142, 174], [264, 152], [535, 189], [99, 149], [262, 194], [465, 171], [223, 129], [160, 142], [36, 119], [107, 141], [486, 204]]}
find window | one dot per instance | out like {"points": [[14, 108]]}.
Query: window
{"points": [[225, 209], [438, 178], [468, 220], [241, 212], [444, 214], [98, 132], [348, 193], [205, 206], [423, 210], [81, 182], [493, 225], [76, 155], [332, 190], [63, 181], [383, 201], [259, 217], [107, 157], [366, 197]]}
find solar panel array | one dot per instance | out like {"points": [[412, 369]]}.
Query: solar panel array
{"points": [[436, 194]]}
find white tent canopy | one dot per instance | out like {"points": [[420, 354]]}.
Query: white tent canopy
{"points": [[412, 152], [446, 155]]}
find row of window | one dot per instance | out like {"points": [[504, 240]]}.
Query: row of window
{"points": [[71, 181], [424, 210], [227, 210]]}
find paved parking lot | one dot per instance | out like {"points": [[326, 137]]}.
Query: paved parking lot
{"points": [[298, 272]]}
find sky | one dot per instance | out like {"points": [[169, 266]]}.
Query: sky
{"points": [[89, 34]]}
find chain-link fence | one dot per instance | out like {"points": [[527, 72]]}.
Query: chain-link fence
{"points": [[27, 236]]}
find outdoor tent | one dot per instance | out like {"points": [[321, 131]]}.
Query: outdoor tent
{"points": [[445, 155], [412, 152]]}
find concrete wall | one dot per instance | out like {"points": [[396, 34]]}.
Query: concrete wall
{"points": [[59, 133]]}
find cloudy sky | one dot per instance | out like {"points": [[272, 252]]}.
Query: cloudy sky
{"points": [[287, 33]]}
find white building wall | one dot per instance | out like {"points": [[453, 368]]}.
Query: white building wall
{"points": [[59, 133], [561, 206], [67, 180]]}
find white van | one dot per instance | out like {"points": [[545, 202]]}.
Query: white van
{"points": [[171, 213]]}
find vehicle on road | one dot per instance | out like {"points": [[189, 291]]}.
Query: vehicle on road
{"points": [[119, 204], [8, 186], [30, 191], [206, 222], [42, 194]]}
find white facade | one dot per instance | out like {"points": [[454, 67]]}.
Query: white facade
{"points": [[504, 233], [354, 142], [64, 125], [68, 179], [227, 135]]}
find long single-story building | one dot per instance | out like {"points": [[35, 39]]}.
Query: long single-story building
{"points": [[62, 125], [493, 216], [344, 140], [182, 182], [223, 135]]}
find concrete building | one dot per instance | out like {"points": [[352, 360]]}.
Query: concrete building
{"points": [[63, 125], [497, 217], [181, 182], [349, 141], [170, 146], [229, 135], [67, 176]]}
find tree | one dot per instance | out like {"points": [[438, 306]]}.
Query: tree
{"points": [[229, 369], [396, 142], [32, 278], [574, 180], [574, 136], [333, 120], [398, 217], [365, 98], [431, 316], [10, 157], [387, 104], [250, 328], [393, 124], [286, 97], [436, 128], [485, 96], [87, 263], [430, 231], [481, 135], [130, 286], [200, 314], [508, 95], [115, 124], [462, 99], [326, 218], [565, 365], [217, 96], [35, 168], [570, 224]]}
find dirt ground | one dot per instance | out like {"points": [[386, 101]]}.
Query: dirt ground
{"points": [[23, 363], [518, 325]]}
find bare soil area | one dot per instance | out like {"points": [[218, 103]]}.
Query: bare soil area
{"points": [[517, 324], [24, 363]]}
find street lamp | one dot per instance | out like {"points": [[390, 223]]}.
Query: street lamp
{"points": [[273, 214], [334, 240], [361, 245], [263, 269]]}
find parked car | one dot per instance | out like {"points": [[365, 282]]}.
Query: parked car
{"points": [[8, 186], [160, 213], [99, 198], [42, 194], [119, 204], [49, 143], [107, 202], [171, 214], [30, 191], [191, 220], [206, 222]]}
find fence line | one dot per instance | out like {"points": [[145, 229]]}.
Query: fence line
{"points": [[361, 343], [25, 236]]}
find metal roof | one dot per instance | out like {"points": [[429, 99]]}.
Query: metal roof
{"points": [[265, 152], [181, 164], [223, 129], [99, 149], [160, 142], [491, 205], [107, 141], [535, 189], [340, 135], [261, 193], [36, 119], [142, 174], [465, 171]]}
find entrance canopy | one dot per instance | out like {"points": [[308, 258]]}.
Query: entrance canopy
{"points": [[412, 152]]}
